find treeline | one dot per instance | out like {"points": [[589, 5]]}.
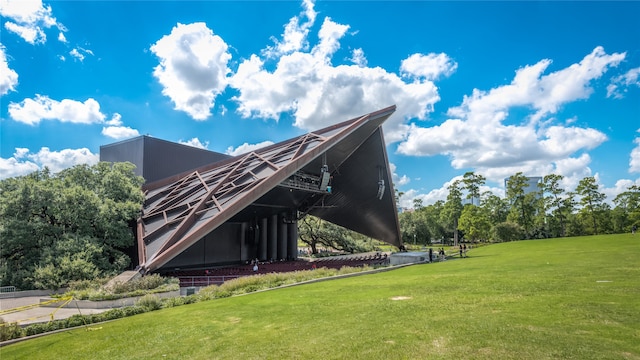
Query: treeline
{"points": [[73, 225], [524, 213]]}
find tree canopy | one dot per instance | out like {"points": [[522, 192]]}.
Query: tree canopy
{"points": [[72, 225], [525, 212]]}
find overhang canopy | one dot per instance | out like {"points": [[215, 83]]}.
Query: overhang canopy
{"points": [[181, 210]]}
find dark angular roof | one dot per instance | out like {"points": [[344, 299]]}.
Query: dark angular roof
{"points": [[181, 210], [156, 159]]}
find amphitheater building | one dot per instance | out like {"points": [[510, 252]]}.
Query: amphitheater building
{"points": [[206, 209]]}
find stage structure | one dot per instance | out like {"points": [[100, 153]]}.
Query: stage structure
{"points": [[247, 207]]}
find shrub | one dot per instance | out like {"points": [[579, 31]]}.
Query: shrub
{"points": [[75, 320], [507, 231], [95, 291], [179, 300], [79, 285], [9, 331], [149, 302]]}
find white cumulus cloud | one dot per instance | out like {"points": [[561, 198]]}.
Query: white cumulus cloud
{"points": [[32, 111], [296, 76], [430, 66], [193, 68], [295, 33], [306, 84], [28, 19], [8, 76], [634, 161], [477, 136], [620, 84], [397, 179], [24, 162], [246, 147], [116, 130], [119, 132], [195, 142]]}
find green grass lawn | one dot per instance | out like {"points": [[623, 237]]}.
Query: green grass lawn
{"points": [[575, 298]]}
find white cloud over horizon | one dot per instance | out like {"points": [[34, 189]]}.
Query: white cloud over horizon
{"points": [[24, 161], [116, 130], [479, 138]]}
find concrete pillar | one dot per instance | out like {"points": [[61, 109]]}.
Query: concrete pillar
{"points": [[292, 240], [282, 237], [272, 238], [262, 242]]}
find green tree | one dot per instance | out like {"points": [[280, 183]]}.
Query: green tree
{"points": [[414, 227], [592, 200], [316, 232], [523, 204], [472, 183], [452, 209], [475, 223], [431, 215], [417, 204], [495, 207], [554, 202], [628, 208], [69, 226]]}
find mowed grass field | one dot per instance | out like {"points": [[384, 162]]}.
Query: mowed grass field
{"points": [[574, 298]]}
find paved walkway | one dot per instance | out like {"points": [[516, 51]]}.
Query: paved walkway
{"points": [[38, 314]]}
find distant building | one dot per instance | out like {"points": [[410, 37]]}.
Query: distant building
{"points": [[473, 201], [532, 184]]}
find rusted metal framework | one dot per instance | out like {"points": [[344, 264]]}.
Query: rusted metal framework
{"points": [[339, 173]]}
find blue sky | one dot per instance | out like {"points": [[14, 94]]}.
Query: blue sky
{"points": [[492, 87]]}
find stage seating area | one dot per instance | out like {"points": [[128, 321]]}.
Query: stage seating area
{"points": [[217, 276]]}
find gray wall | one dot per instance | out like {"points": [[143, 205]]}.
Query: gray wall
{"points": [[156, 159]]}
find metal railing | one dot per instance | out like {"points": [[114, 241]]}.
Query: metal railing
{"points": [[187, 281], [7, 292]]}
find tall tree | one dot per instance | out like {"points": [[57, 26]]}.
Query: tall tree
{"points": [[472, 183], [592, 200], [522, 206], [431, 215], [417, 204], [414, 227], [495, 207], [452, 209], [554, 201], [628, 206]]}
